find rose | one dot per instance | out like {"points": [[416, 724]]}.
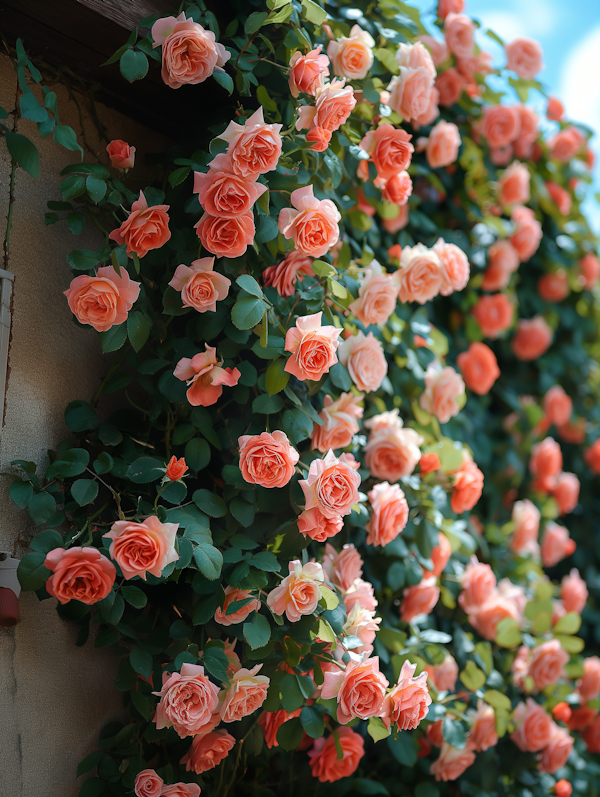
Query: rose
{"points": [[555, 109], [438, 49], [566, 492], [343, 568], [363, 624], [205, 377], [148, 784], [190, 53], [233, 594], [459, 33], [307, 71], [317, 526], [81, 574], [479, 368], [528, 132], [397, 189], [181, 790], [478, 585], [500, 125], [503, 260], [390, 514], [361, 593], [443, 386], [363, 356], [121, 155], [533, 727], [443, 145], [588, 686], [389, 148], [324, 762], [483, 733], [299, 593], [312, 346], [556, 544], [574, 593], [271, 722], [532, 339], [446, 7], [435, 733], [558, 406], [524, 56], [514, 185], [102, 301], [334, 104], [223, 193], [247, 692], [145, 228], [415, 56], [560, 196], [398, 222], [226, 237], [450, 85], [573, 432], [267, 459], [352, 57], [455, 267], [473, 65], [592, 456], [554, 286], [528, 233], [313, 226], [555, 755], [340, 422], [444, 675], [187, 702], [494, 314], [582, 717], [451, 762], [440, 556], [547, 664], [432, 111], [254, 147], [545, 464], [200, 286], [526, 517], [429, 463], [562, 788], [141, 548], [331, 485], [420, 276], [590, 270], [467, 488], [392, 451], [284, 276], [376, 296], [486, 617], [207, 751], [406, 705], [562, 712], [566, 144], [360, 690], [419, 599], [410, 92], [176, 469]]}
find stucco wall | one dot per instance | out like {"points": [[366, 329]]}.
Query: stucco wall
{"points": [[54, 697]]}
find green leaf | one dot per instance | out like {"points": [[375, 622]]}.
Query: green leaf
{"points": [[197, 454], [386, 57], [93, 787], [224, 80], [254, 22], [209, 560], [247, 312], [46, 541], [41, 508], [257, 632], [570, 623], [507, 633], [104, 463], [403, 749], [250, 285], [265, 560], [141, 661], [72, 187], [75, 461], [267, 405], [330, 598], [135, 596], [453, 732], [67, 138], [81, 417], [113, 338], [96, 188], [84, 491], [31, 109], [572, 644], [472, 677], [23, 152], [376, 729], [313, 721], [497, 700], [133, 65], [75, 222], [211, 504], [89, 762], [178, 175], [216, 662], [20, 492], [290, 734], [141, 703], [242, 511], [83, 260], [145, 469], [313, 12], [138, 329], [31, 572], [276, 377]]}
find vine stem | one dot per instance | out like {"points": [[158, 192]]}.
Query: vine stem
{"points": [[237, 758], [11, 202]]}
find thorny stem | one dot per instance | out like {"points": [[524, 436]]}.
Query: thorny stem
{"points": [[237, 758], [11, 202], [87, 523], [115, 494]]}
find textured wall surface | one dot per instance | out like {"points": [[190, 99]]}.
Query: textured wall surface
{"points": [[54, 697]]}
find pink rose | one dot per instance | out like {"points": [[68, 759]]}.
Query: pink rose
{"points": [[459, 32], [450, 85], [566, 492], [533, 727], [331, 486], [410, 92], [389, 148], [360, 592], [545, 464], [307, 71], [590, 270], [444, 675], [443, 145], [190, 53], [376, 296], [187, 701], [455, 267], [526, 517], [415, 56], [284, 276], [313, 225], [554, 286], [324, 762], [451, 762], [555, 109], [363, 624], [467, 488], [200, 286], [359, 689], [267, 459], [398, 222], [140, 548], [503, 260], [446, 7], [524, 56], [573, 592], [558, 406], [246, 692], [365, 360], [440, 555], [397, 189], [421, 274], [547, 664], [443, 386], [528, 233], [352, 57], [557, 752], [514, 185], [102, 301], [121, 155], [532, 339], [483, 734], [148, 784], [588, 686], [478, 584], [254, 147], [566, 144], [392, 451], [312, 346], [81, 574], [334, 104], [494, 314], [556, 544], [317, 526], [438, 49], [181, 790], [299, 593], [233, 594], [560, 196], [419, 599], [528, 132], [205, 377], [340, 422], [479, 368], [486, 617], [390, 513], [406, 705], [500, 125], [207, 751], [146, 228], [223, 193], [226, 237], [343, 568]]}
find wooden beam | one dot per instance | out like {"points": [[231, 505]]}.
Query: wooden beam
{"points": [[126, 13]]}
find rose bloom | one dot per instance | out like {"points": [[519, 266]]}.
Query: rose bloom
{"points": [[529, 132], [312, 346], [145, 228], [406, 705], [226, 237], [200, 286], [494, 314], [419, 599], [267, 459], [443, 145], [181, 790], [148, 784], [254, 147], [187, 701], [284, 276], [103, 301], [562, 712], [533, 727], [560, 196], [547, 664], [317, 526], [363, 624], [558, 406], [81, 574], [446, 7], [483, 734], [190, 53], [364, 358], [271, 722], [233, 594], [573, 432], [588, 686], [343, 568], [247, 692], [528, 233], [410, 92], [205, 377], [361, 593], [557, 752], [562, 788], [514, 185], [389, 148], [450, 85], [451, 762], [121, 155], [398, 222], [459, 33], [140, 548], [420, 276], [532, 338], [500, 125], [566, 144], [443, 386], [440, 556], [587, 720], [415, 56], [376, 296], [334, 104], [592, 456], [566, 492], [307, 71], [429, 463], [589, 266], [545, 464], [502, 262], [298, 593], [444, 675], [524, 56], [359, 689], [455, 267], [324, 762], [435, 733], [397, 189], [573, 593], [352, 57], [207, 751], [478, 584], [223, 193], [432, 111], [555, 110], [176, 469], [392, 451], [438, 49], [390, 513], [331, 486], [340, 422], [479, 368], [554, 286], [486, 617], [313, 225], [556, 544], [526, 517]]}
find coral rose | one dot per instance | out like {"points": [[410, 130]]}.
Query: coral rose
{"points": [[141, 548], [254, 147], [420, 276], [555, 110], [389, 148], [232, 595], [187, 701], [226, 237], [566, 492], [556, 544], [313, 225], [526, 517], [414, 56], [146, 228], [558, 406], [299, 593], [359, 689], [438, 49], [406, 704], [591, 736], [479, 368], [334, 104], [459, 33], [562, 788], [467, 488], [284, 276], [545, 464], [483, 734], [148, 784], [331, 486], [419, 599], [121, 155], [223, 193], [566, 144], [494, 314], [267, 459], [205, 377], [514, 185], [247, 692], [500, 125], [352, 57], [443, 675], [592, 456], [312, 346], [207, 751], [190, 53], [376, 296], [524, 56], [340, 422], [343, 568], [589, 266], [429, 463], [588, 686], [176, 469], [390, 513], [443, 145], [392, 451], [443, 386], [364, 358], [560, 196], [455, 267], [361, 593], [446, 7], [81, 574], [503, 260], [200, 286], [528, 233], [271, 722], [532, 338], [486, 617], [450, 85], [452, 762], [181, 790], [307, 71], [562, 712], [411, 92], [556, 754], [324, 762], [574, 593], [397, 189], [102, 301], [478, 584], [440, 556], [533, 726], [317, 526], [554, 286], [547, 664]]}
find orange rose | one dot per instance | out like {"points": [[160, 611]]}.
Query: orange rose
{"points": [[207, 751], [419, 599], [494, 314], [503, 260], [562, 788], [299, 593], [590, 270], [205, 377], [500, 125], [188, 701], [420, 276], [181, 790], [562, 712], [190, 53], [526, 517], [429, 463], [267, 459], [556, 544], [554, 286], [284, 276], [313, 225], [324, 762], [435, 733], [232, 595], [376, 296], [440, 556], [450, 85], [566, 144], [340, 422], [486, 617], [313, 348], [317, 526], [271, 722], [247, 691], [223, 193], [557, 752], [121, 155], [468, 486], [359, 689], [452, 762], [146, 228], [343, 568], [581, 718], [254, 147], [555, 109], [390, 514], [560, 196], [200, 286], [592, 456], [479, 368], [459, 32], [81, 574], [352, 57], [514, 185], [443, 676], [574, 594], [528, 233], [392, 451], [443, 386], [102, 301], [406, 704], [141, 548], [547, 664], [532, 339], [478, 584], [533, 727], [363, 356], [524, 56], [545, 464], [389, 148], [397, 189], [334, 104], [558, 406], [226, 237], [588, 686], [483, 734], [443, 145], [331, 485], [176, 469], [566, 492], [307, 71]]}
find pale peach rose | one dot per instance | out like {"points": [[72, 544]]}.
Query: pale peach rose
{"points": [[494, 314], [141, 548], [146, 228], [187, 701], [545, 464], [207, 751], [376, 296], [443, 145], [514, 185], [526, 517], [226, 237], [419, 599], [479, 368], [284, 276], [81, 574], [560, 196], [331, 485], [313, 225], [532, 338], [556, 544], [200, 286], [555, 109], [364, 358], [455, 267], [524, 56], [443, 675], [556, 754], [267, 459], [313, 347], [443, 386], [307, 71], [486, 617], [483, 734], [121, 155], [503, 260], [254, 147], [558, 406], [588, 686], [343, 568], [148, 784], [573, 592], [440, 556], [103, 301], [324, 762], [520, 667], [233, 594], [500, 125], [459, 32], [359, 689], [591, 456], [389, 148], [590, 270], [452, 762], [223, 193], [363, 624], [397, 189], [415, 56], [566, 492], [533, 726], [528, 133], [410, 92], [205, 377], [478, 584], [407, 703], [398, 222], [352, 57], [340, 422], [431, 113], [392, 451], [446, 7], [317, 526], [566, 144], [450, 85], [554, 286], [362, 593], [298, 593], [334, 104], [190, 53], [390, 513], [547, 664], [246, 692], [528, 233], [472, 65], [438, 49], [420, 276]]}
